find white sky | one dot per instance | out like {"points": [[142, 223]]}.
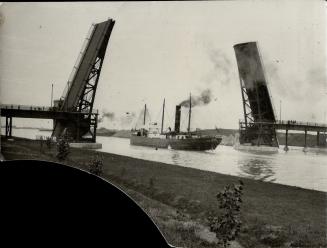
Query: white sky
{"points": [[168, 49]]}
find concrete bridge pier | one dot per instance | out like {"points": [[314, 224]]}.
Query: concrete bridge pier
{"points": [[8, 126], [305, 140], [286, 143], [318, 133]]}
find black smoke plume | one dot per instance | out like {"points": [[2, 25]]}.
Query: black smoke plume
{"points": [[100, 119], [109, 115], [127, 118], [204, 98], [105, 114]]}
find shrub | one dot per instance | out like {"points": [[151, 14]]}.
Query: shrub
{"points": [[228, 224], [96, 165], [41, 145], [273, 236], [48, 142], [62, 148]]}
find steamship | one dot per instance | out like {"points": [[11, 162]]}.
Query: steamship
{"points": [[176, 139], [150, 136]]}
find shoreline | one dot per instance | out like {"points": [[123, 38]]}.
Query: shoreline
{"points": [[295, 139], [164, 190], [191, 168], [228, 140]]}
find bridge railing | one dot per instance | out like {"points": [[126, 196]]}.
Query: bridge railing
{"points": [[300, 123], [25, 107], [38, 108], [290, 122]]}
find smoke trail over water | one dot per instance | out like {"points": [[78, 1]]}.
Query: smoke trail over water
{"points": [[221, 68], [105, 114]]}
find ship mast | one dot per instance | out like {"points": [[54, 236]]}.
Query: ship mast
{"points": [[189, 116], [144, 114], [163, 116]]}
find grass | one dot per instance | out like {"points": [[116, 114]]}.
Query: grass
{"points": [[273, 215]]}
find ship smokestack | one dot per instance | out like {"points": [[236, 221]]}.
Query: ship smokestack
{"points": [[177, 118]]}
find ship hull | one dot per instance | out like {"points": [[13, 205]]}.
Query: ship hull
{"points": [[195, 144], [150, 142]]}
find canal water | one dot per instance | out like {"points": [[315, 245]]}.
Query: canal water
{"points": [[296, 168]]}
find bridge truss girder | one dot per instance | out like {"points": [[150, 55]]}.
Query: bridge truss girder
{"points": [[82, 86], [257, 105], [86, 101], [257, 134]]}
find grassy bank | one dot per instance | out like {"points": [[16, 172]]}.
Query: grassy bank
{"points": [[180, 199]]}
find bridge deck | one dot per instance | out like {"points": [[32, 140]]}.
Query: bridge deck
{"points": [[38, 112], [296, 125]]}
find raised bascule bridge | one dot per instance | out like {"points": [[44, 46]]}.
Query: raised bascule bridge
{"points": [[260, 124], [73, 113]]}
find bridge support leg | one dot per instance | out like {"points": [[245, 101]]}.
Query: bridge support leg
{"points": [[94, 138], [286, 144], [305, 140], [318, 133], [9, 126], [95, 135], [78, 130]]}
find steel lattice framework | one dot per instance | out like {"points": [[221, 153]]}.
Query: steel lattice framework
{"points": [[257, 105], [80, 91]]}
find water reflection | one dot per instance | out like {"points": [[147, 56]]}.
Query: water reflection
{"points": [[260, 153], [175, 157], [258, 169]]}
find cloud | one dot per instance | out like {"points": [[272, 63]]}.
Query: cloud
{"points": [[310, 83]]}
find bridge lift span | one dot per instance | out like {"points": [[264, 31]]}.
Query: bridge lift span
{"points": [[73, 113], [257, 105], [79, 93], [260, 125]]}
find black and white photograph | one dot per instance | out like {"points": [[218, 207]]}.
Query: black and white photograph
{"points": [[211, 116]]}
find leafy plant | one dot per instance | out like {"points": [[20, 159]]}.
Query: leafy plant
{"points": [[228, 224], [62, 148], [48, 142], [41, 144], [96, 165]]}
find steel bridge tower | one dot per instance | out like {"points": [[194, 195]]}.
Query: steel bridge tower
{"points": [[79, 94], [257, 105]]}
